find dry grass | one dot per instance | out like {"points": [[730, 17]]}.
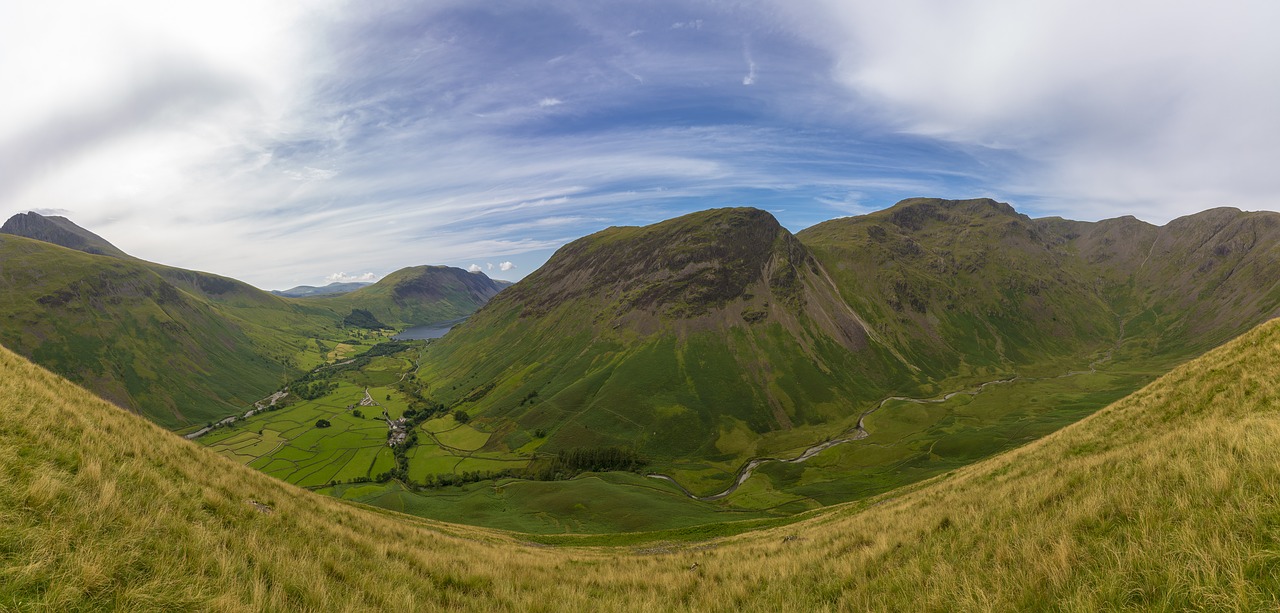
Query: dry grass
{"points": [[1167, 500]]}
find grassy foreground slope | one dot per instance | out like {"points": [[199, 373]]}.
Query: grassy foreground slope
{"points": [[1166, 500]]}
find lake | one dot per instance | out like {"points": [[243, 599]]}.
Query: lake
{"points": [[429, 331]]}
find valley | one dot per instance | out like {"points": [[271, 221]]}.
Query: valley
{"points": [[754, 375]]}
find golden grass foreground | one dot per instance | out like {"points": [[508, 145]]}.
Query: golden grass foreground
{"points": [[1166, 500]]}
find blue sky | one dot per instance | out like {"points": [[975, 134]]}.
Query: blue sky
{"points": [[289, 144]]}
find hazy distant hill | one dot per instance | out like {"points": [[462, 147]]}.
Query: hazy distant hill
{"points": [[416, 295], [306, 291]]}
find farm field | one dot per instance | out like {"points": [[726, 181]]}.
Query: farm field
{"points": [[287, 443]]}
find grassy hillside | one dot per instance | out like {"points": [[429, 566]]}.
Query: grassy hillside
{"points": [[1164, 501]]}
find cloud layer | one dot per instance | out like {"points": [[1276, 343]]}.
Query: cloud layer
{"points": [[277, 142]]}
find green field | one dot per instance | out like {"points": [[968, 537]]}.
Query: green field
{"points": [[286, 443]]}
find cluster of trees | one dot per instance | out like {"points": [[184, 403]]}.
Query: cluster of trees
{"points": [[569, 463], [310, 390], [566, 464], [360, 318]]}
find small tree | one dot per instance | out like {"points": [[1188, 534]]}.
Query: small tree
{"points": [[322, 423]]}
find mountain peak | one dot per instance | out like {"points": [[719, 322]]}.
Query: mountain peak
{"points": [[682, 267], [59, 231]]}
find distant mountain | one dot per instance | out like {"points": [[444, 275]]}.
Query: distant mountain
{"points": [[332, 289], [59, 231], [416, 295]]}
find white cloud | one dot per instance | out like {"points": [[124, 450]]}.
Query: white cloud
{"points": [[505, 266], [474, 268], [489, 265], [695, 24], [550, 102], [342, 277], [1150, 105]]}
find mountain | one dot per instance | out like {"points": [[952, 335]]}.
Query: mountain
{"points": [[59, 231], [688, 338], [1165, 500], [1186, 286], [416, 295], [717, 337], [182, 347], [964, 286], [118, 327], [305, 291]]}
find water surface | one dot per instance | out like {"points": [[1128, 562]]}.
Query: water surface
{"points": [[428, 331]]}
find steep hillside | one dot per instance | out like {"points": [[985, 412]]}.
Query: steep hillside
{"points": [[692, 338], [1186, 286], [416, 295], [117, 327], [1164, 501], [964, 286]]}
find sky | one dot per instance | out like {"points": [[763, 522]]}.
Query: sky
{"points": [[287, 143]]}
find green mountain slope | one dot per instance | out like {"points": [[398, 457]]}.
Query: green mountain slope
{"points": [[182, 347], [119, 328], [967, 286], [1164, 501], [1189, 285], [691, 338]]}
